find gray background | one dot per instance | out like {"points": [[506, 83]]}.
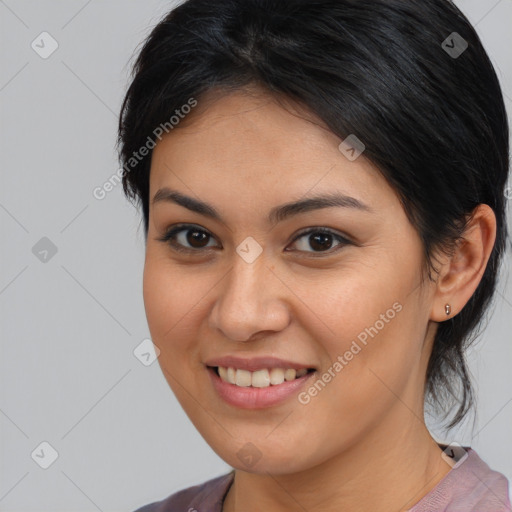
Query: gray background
{"points": [[69, 325]]}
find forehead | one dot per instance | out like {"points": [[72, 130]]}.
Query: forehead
{"points": [[249, 118], [254, 145]]}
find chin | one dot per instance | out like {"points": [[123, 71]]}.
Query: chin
{"points": [[263, 459]]}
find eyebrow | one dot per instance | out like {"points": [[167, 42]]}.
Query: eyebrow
{"points": [[277, 214]]}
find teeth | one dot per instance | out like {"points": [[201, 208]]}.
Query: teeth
{"points": [[290, 374], [223, 372], [260, 378], [276, 376], [243, 378]]}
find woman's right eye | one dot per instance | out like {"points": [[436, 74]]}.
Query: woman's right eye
{"points": [[179, 236]]}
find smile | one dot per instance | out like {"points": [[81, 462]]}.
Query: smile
{"points": [[258, 389]]}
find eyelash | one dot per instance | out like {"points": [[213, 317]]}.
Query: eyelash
{"points": [[170, 236]]}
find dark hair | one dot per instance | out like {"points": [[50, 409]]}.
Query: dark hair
{"points": [[433, 121]]}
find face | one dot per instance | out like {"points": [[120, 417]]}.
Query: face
{"points": [[334, 289]]}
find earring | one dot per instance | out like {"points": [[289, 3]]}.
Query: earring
{"points": [[448, 309]]}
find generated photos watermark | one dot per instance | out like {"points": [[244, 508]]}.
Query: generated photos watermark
{"points": [[101, 192], [343, 360]]}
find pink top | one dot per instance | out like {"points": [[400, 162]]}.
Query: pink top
{"points": [[470, 486]]}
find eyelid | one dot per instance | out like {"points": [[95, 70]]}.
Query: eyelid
{"points": [[322, 229]]}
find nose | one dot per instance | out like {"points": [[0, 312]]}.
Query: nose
{"points": [[251, 302]]}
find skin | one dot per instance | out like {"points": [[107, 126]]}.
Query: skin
{"points": [[244, 154]]}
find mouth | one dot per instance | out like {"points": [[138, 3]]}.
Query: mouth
{"points": [[258, 389]]}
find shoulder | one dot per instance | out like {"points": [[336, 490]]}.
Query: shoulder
{"points": [[205, 497], [470, 486]]}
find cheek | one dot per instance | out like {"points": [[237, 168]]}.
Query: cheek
{"points": [[175, 300], [158, 298], [373, 339], [169, 294], [168, 306], [355, 306]]}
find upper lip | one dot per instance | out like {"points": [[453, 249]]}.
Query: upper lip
{"points": [[254, 363]]}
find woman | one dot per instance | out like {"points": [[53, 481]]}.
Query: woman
{"points": [[322, 188]]}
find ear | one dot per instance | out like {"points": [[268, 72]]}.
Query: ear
{"points": [[461, 273]]}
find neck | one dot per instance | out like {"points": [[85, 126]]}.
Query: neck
{"points": [[388, 470]]}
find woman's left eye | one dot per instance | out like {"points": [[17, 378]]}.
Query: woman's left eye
{"points": [[320, 239]]}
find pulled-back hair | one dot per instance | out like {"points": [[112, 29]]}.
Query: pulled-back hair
{"points": [[432, 121]]}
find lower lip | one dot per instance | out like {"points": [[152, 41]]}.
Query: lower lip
{"points": [[256, 398]]}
